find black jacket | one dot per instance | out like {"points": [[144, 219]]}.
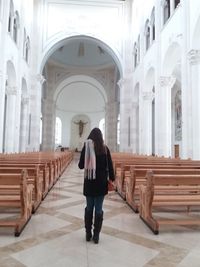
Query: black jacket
{"points": [[98, 186]]}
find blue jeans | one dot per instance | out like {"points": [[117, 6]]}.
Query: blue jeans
{"points": [[95, 203]]}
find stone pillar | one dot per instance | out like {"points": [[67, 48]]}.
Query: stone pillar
{"points": [[24, 124], [135, 127], [125, 86], [187, 151], [48, 124], [35, 109], [164, 117], [11, 93], [111, 125], [146, 121], [194, 57]]}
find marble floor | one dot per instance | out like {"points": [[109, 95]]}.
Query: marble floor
{"points": [[55, 235]]}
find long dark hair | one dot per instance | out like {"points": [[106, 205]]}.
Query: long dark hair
{"points": [[97, 137]]}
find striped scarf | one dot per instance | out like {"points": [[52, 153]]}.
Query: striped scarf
{"points": [[90, 160]]}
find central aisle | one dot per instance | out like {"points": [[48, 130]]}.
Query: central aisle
{"points": [[55, 235]]}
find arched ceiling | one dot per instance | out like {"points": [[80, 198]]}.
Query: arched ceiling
{"points": [[82, 52], [76, 54], [89, 100]]}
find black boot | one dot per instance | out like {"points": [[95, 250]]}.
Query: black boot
{"points": [[88, 224], [98, 220]]}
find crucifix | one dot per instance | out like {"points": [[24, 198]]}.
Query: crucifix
{"points": [[80, 126]]}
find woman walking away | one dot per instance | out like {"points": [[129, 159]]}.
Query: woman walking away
{"points": [[96, 161]]}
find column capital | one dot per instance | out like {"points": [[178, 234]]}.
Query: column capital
{"points": [[148, 95], [125, 80], [194, 56], [120, 83], [167, 81], [11, 90], [25, 100], [40, 78]]}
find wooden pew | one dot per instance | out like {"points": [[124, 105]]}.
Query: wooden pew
{"points": [[21, 201], [43, 170], [168, 190], [123, 173], [138, 176], [35, 177]]}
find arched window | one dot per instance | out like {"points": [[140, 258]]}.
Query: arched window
{"points": [[24, 43], [166, 10], [15, 27], [135, 55], [102, 127], [153, 25], [176, 3], [10, 18], [58, 131], [138, 47], [147, 35], [27, 49]]}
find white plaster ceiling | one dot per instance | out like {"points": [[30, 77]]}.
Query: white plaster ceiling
{"points": [[82, 52], [80, 97], [78, 53]]}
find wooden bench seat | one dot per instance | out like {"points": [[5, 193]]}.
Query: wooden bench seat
{"points": [[152, 195], [138, 177], [43, 170], [35, 177], [21, 201], [123, 172]]}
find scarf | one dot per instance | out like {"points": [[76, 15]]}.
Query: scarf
{"points": [[90, 160]]}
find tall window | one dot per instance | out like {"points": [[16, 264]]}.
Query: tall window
{"points": [[135, 55], [176, 3], [58, 131], [153, 25], [102, 127], [147, 35], [166, 11], [16, 27], [138, 47], [10, 18], [26, 47]]}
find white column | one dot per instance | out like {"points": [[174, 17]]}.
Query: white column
{"points": [[194, 56], [164, 116], [135, 127], [146, 127], [11, 93], [111, 125], [48, 120], [172, 6], [35, 110], [125, 113], [24, 124]]}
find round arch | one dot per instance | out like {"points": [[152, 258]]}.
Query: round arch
{"points": [[24, 87], [150, 79], [63, 40], [11, 73], [196, 35], [171, 59], [80, 78]]}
